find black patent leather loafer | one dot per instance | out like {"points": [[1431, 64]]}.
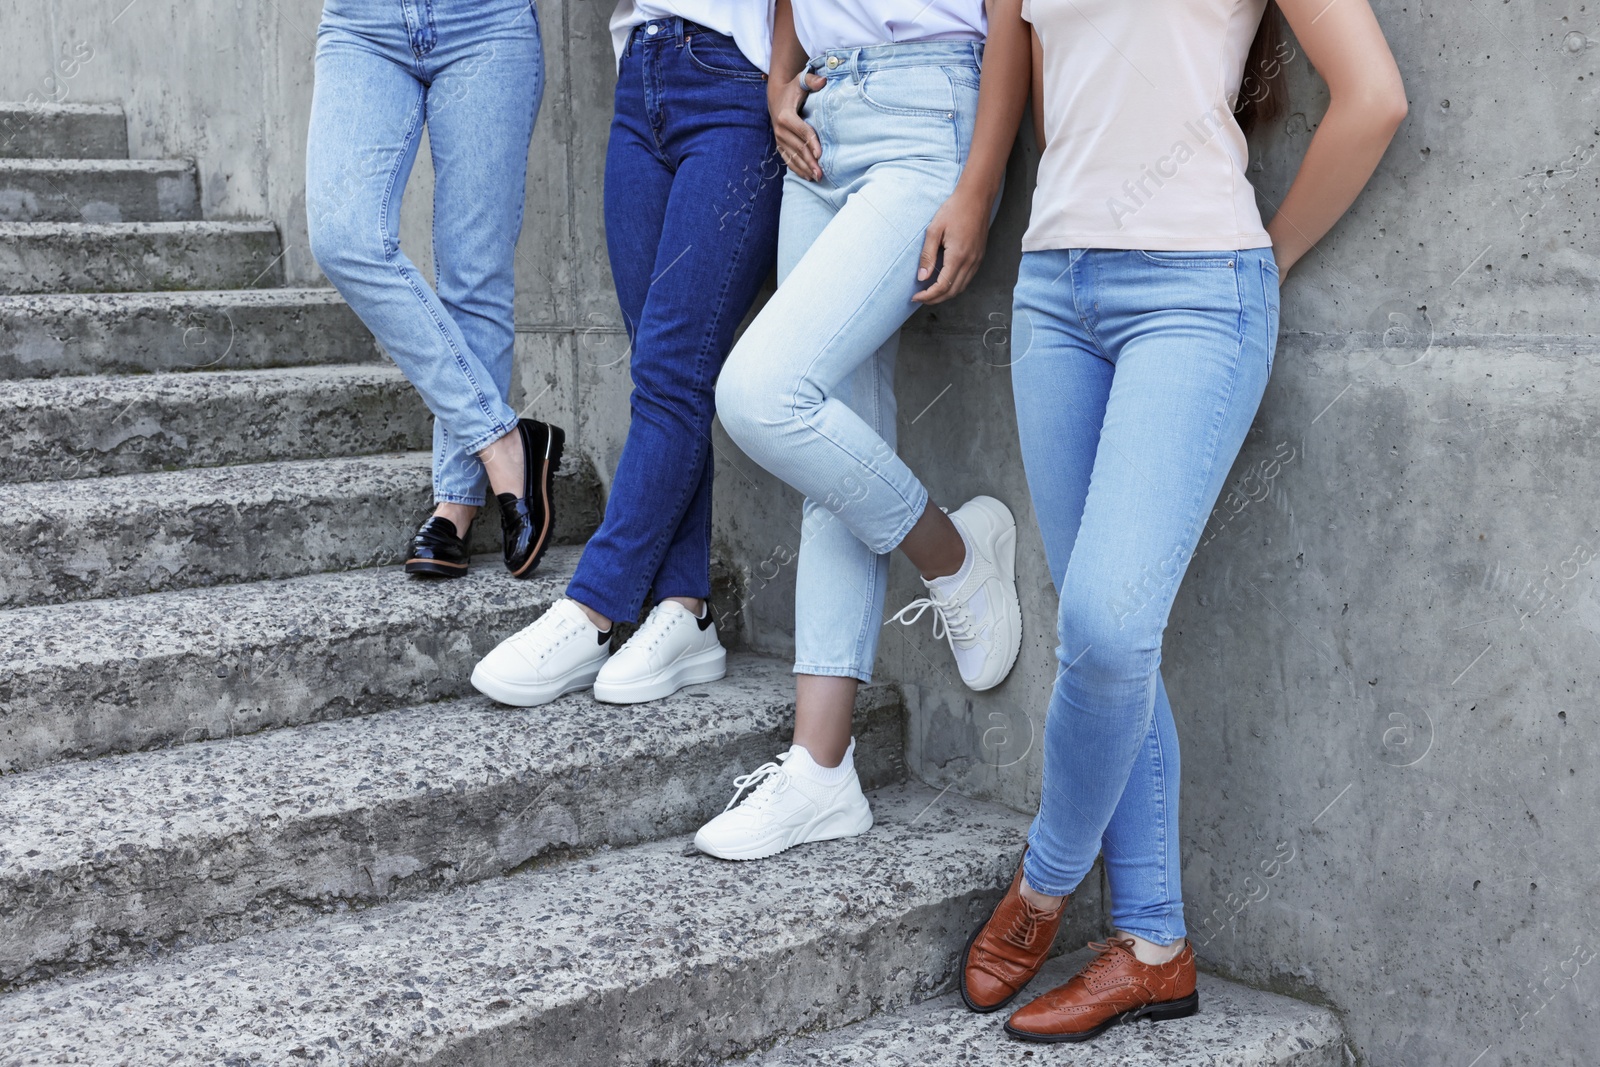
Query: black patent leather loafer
{"points": [[438, 551], [526, 521]]}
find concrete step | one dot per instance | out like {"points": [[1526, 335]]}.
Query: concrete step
{"points": [[116, 859], [64, 428], [143, 533], [643, 955], [1236, 1027], [50, 335], [75, 257], [63, 131], [98, 190], [104, 676]]}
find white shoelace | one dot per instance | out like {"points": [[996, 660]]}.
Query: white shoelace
{"points": [[764, 782], [949, 617], [540, 638], [656, 627]]}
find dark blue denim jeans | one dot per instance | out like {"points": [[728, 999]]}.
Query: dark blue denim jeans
{"points": [[693, 184]]}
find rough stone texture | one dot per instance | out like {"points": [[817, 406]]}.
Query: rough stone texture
{"points": [[103, 860], [143, 533], [98, 190], [1236, 1027], [49, 335], [54, 257], [62, 131], [1479, 225], [90, 678], [645, 955], [65, 428]]}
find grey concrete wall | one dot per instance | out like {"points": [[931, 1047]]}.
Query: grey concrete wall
{"points": [[1382, 660]]}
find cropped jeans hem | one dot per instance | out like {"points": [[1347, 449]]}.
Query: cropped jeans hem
{"points": [[833, 672]]}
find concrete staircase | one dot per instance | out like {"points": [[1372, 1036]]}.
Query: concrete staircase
{"points": [[252, 813]]}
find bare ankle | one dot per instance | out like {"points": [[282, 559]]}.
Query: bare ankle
{"points": [[458, 515], [1152, 953], [503, 462], [934, 545]]}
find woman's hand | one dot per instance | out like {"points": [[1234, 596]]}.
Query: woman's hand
{"points": [[797, 141], [960, 228]]}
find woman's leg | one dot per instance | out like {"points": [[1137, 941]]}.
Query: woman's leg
{"points": [[782, 394], [367, 116], [487, 79], [1188, 334], [691, 225]]}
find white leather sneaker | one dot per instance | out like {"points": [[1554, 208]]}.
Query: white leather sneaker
{"points": [[782, 808], [560, 653], [670, 650], [981, 616]]}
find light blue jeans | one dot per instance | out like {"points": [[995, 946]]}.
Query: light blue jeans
{"points": [[472, 71], [808, 391], [1136, 375]]}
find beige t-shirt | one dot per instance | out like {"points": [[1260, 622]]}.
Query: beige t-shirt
{"points": [[1143, 149]]}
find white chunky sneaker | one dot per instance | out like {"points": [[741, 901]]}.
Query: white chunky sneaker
{"points": [[560, 653], [977, 607], [787, 803], [671, 650]]}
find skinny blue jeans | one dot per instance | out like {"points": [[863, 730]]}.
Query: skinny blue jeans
{"points": [[808, 392], [1136, 375], [472, 72]]}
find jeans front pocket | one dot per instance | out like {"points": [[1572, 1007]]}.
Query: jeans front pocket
{"points": [[1211, 260], [719, 55], [1270, 301], [921, 91]]}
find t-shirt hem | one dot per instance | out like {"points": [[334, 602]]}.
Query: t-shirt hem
{"points": [[1233, 242]]}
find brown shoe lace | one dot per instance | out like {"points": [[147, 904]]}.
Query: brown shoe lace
{"points": [[1105, 959], [1026, 925]]}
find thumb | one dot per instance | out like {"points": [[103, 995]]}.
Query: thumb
{"points": [[930, 251], [808, 78]]}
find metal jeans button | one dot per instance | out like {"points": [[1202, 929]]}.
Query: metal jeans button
{"points": [[833, 61]]}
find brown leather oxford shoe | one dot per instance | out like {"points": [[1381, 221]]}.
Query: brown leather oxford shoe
{"points": [[1114, 988], [1008, 950]]}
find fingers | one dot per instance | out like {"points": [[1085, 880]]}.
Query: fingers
{"points": [[930, 250], [955, 274], [799, 147], [798, 144]]}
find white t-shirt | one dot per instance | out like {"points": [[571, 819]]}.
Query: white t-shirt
{"points": [[825, 24], [748, 22], [1142, 149]]}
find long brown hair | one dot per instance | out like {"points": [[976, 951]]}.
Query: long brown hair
{"points": [[1264, 92]]}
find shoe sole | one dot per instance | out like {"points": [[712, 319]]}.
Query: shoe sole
{"points": [[708, 666], [814, 832], [433, 568], [530, 696], [1006, 559], [555, 443], [1181, 1008], [966, 998]]}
